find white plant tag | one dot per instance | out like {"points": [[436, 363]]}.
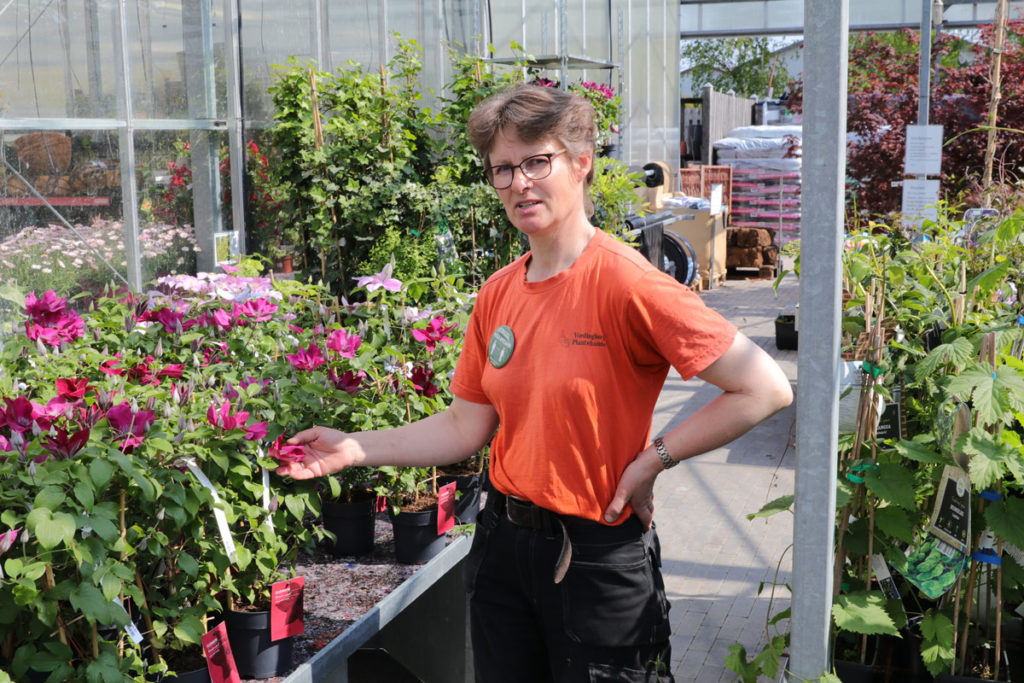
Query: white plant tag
{"points": [[218, 514], [885, 581], [131, 629], [266, 495]]}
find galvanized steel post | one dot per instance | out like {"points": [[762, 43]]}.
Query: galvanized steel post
{"points": [[826, 39]]}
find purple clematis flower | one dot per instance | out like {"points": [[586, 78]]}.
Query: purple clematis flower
{"points": [[435, 334], [130, 425], [378, 280]]}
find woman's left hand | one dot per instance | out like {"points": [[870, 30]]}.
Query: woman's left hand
{"points": [[636, 487]]}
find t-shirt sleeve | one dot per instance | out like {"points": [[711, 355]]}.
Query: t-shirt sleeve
{"points": [[469, 369], [669, 322]]}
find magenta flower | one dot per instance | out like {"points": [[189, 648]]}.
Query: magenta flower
{"points": [[46, 311], [110, 367], [306, 359], [349, 382], [20, 414], [171, 320], [174, 370], [5, 445], [286, 453], [422, 380], [7, 539], [223, 418], [259, 310], [378, 280], [72, 389], [256, 431], [435, 334], [129, 425], [67, 328], [344, 343]]}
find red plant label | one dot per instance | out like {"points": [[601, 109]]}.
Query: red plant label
{"points": [[219, 660], [445, 508], [286, 608], [381, 505]]}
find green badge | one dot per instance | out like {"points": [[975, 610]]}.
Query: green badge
{"points": [[503, 342]]}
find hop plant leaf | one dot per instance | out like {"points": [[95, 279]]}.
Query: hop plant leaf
{"points": [[864, 612]]}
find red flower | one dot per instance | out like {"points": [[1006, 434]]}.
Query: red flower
{"points": [[129, 425], [349, 382], [344, 343], [306, 359], [435, 333], [72, 389], [286, 453], [422, 380], [64, 445]]}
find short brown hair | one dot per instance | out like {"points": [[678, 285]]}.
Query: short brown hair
{"points": [[532, 113]]}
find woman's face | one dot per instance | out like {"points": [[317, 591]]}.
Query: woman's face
{"points": [[537, 207]]}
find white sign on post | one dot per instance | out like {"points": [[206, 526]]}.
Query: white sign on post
{"points": [[920, 200], [924, 151]]}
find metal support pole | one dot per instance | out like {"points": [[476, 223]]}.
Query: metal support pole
{"points": [[236, 121], [925, 63], [126, 150], [825, 76]]}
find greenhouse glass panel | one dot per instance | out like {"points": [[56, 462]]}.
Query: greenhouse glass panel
{"points": [[271, 32], [354, 30], [874, 13], [57, 60], [722, 17], [573, 40], [508, 23], [785, 13]]}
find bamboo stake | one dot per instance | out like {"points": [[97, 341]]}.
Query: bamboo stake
{"points": [[999, 611], [995, 95], [49, 582]]}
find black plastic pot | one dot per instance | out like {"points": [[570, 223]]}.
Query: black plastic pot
{"points": [[785, 333], [467, 505], [854, 672], [353, 526], [256, 656], [195, 676], [416, 538]]}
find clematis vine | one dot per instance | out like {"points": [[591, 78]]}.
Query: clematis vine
{"points": [[258, 310], [23, 415], [49, 320], [381, 279], [350, 382], [435, 333], [307, 359], [222, 417], [65, 445], [343, 343], [423, 380], [72, 389]]}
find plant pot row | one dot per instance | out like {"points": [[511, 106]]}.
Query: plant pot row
{"points": [[416, 538]]}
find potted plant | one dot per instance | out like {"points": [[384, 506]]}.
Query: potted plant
{"points": [[607, 105]]}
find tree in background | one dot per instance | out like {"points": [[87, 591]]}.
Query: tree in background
{"points": [[747, 66], [883, 101]]}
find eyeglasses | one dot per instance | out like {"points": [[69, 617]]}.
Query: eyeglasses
{"points": [[536, 167]]}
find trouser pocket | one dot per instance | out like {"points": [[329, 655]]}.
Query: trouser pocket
{"points": [[607, 673], [486, 521], [613, 596]]}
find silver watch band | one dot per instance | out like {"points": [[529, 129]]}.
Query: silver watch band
{"points": [[666, 459]]}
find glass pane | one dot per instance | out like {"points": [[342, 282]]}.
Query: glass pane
{"points": [[689, 17], [540, 22], [726, 16], [597, 25], [574, 29], [785, 13], [57, 59], [271, 32], [81, 247], [874, 12], [355, 32], [506, 25]]}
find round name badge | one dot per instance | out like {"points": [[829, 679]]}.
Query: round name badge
{"points": [[500, 348]]}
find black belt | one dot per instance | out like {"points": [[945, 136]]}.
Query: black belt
{"points": [[531, 516]]}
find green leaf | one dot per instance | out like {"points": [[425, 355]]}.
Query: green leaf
{"points": [[188, 564], [990, 391], [190, 630], [84, 494], [780, 504], [957, 353], [50, 529], [863, 612], [895, 522], [737, 662], [1005, 518], [920, 452], [893, 483], [90, 601], [51, 497], [937, 648], [100, 471]]}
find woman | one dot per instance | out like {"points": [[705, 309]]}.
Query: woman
{"points": [[565, 354]]}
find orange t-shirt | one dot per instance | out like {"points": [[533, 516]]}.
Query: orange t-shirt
{"points": [[592, 349]]}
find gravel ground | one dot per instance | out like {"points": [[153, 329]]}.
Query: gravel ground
{"points": [[340, 590]]}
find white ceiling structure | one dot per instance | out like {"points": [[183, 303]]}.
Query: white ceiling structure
{"points": [[721, 18]]}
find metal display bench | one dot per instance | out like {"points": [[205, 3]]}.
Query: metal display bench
{"points": [[422, 625]]}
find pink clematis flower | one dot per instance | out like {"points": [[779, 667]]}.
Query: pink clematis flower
{"points": [[129, 425], [435, 334], [173, 370], [306, 359], [20, 414], [343, 343], [256, 431], [46, 311], [7, 539], [223, 418], [110, 367], [258, 310], [286, 453], [378, 280], [72, 389], [5, 445]]}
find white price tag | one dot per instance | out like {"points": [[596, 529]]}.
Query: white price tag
{"points": [[131, 629], [218, 514]]}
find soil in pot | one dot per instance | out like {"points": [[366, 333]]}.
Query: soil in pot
{"points": [[352, 524], [256, 656], [415, 529]]}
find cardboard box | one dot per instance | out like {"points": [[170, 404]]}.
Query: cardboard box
{"points": [[706, 234]]}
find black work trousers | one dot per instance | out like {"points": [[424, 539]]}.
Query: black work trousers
{"points": [[606, 621]]}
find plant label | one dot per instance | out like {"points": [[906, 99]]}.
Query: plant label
{"points": [[220, 661], [381, 505], [885, 581], [951, 516], [286, 608], [446, 508]]}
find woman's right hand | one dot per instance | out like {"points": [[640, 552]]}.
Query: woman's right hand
{"points": [[326, 451]]}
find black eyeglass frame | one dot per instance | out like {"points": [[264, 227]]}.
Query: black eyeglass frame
{"points": [[489, 171]]}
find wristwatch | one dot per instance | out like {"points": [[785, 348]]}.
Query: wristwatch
{"points": [[666, 459]]}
